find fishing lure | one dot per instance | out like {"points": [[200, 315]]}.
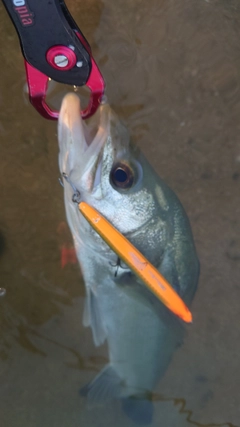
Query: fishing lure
{"points": [[154, 280]]}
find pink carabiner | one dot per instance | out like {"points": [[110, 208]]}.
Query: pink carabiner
{"points": [[37, 88], [38, 84], [95, 83]]}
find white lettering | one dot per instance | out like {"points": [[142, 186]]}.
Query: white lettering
{"points": [[19, 2]]}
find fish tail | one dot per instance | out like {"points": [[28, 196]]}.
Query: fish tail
{"points": [[138, 409], [106, 386]]}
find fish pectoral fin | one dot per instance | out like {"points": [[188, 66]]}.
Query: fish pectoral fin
{"points": [[106, 386], [92, 318]]}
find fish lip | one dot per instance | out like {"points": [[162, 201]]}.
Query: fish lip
{"points": [[94, 151], [80, 152]]}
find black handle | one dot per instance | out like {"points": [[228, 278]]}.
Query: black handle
{"points": [[42, 25]]}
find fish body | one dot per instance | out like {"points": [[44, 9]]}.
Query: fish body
{"points": [[114, 177]]}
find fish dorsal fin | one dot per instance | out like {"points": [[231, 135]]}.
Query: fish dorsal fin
{"points": [[93, 318]]}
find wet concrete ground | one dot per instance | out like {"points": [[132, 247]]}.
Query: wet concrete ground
{"points": [[172, 73]]}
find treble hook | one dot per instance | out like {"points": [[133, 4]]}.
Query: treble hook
{"points": [[76, 198], [61, 182], [118, 264]]}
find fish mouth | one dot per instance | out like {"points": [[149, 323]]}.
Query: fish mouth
{"points": [[81, 142]]}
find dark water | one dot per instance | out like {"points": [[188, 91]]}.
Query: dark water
{"points": [[172, 73]]}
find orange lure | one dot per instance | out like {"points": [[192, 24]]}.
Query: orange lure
{"points": [[137, 262]]}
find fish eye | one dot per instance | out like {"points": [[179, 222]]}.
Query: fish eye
{"points": [[122, 176]]}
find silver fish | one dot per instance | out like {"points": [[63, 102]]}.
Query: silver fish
{"points": [[102, 165]]}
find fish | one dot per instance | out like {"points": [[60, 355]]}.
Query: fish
{"points": [[110, 173]]}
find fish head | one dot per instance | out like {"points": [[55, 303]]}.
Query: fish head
{"points": [[112, 175], [104, 166]]}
